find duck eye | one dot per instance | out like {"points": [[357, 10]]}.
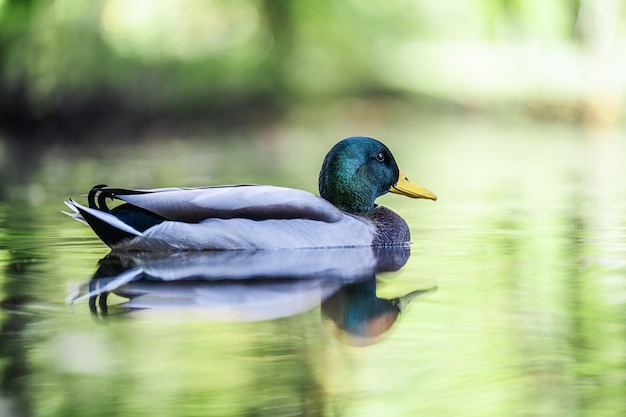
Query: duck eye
{"points": [[380, 157]]}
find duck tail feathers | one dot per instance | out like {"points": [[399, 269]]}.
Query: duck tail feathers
{"points": [[108, 227], [74, 214]]}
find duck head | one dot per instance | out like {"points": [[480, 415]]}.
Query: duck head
{"points": [[358, 170]]}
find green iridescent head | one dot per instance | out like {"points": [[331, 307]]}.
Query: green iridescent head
{"points": [[358, 170]]}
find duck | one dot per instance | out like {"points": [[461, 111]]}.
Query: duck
{"points": [[355, 172]]}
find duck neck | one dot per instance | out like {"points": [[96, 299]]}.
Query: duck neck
{"points": [[347, 195]]}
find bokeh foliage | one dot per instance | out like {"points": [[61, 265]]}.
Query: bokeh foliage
{"points": [[70, 58]]}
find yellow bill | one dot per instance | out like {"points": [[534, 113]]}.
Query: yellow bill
{"points": [[410, 189]]}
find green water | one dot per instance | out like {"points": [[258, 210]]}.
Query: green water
{"points": [[523, 256]]}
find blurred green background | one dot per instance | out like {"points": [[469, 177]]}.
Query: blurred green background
{"points": [[75, 65]]}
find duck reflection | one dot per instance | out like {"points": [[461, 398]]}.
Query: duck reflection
{"points": [[360, 317], [256, 285]]}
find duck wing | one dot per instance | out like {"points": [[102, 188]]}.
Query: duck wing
{"points": [[254, 202]]}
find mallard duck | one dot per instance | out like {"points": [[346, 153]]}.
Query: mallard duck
{"points": [[355, 172]]}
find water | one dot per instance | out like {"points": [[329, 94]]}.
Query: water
{"points": [[511, 303]]}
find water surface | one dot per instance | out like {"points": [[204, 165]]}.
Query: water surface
{"points": [[512, 301]]}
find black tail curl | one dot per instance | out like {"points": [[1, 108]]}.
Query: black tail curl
{"points": [[96, 191], [98, 195]]}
